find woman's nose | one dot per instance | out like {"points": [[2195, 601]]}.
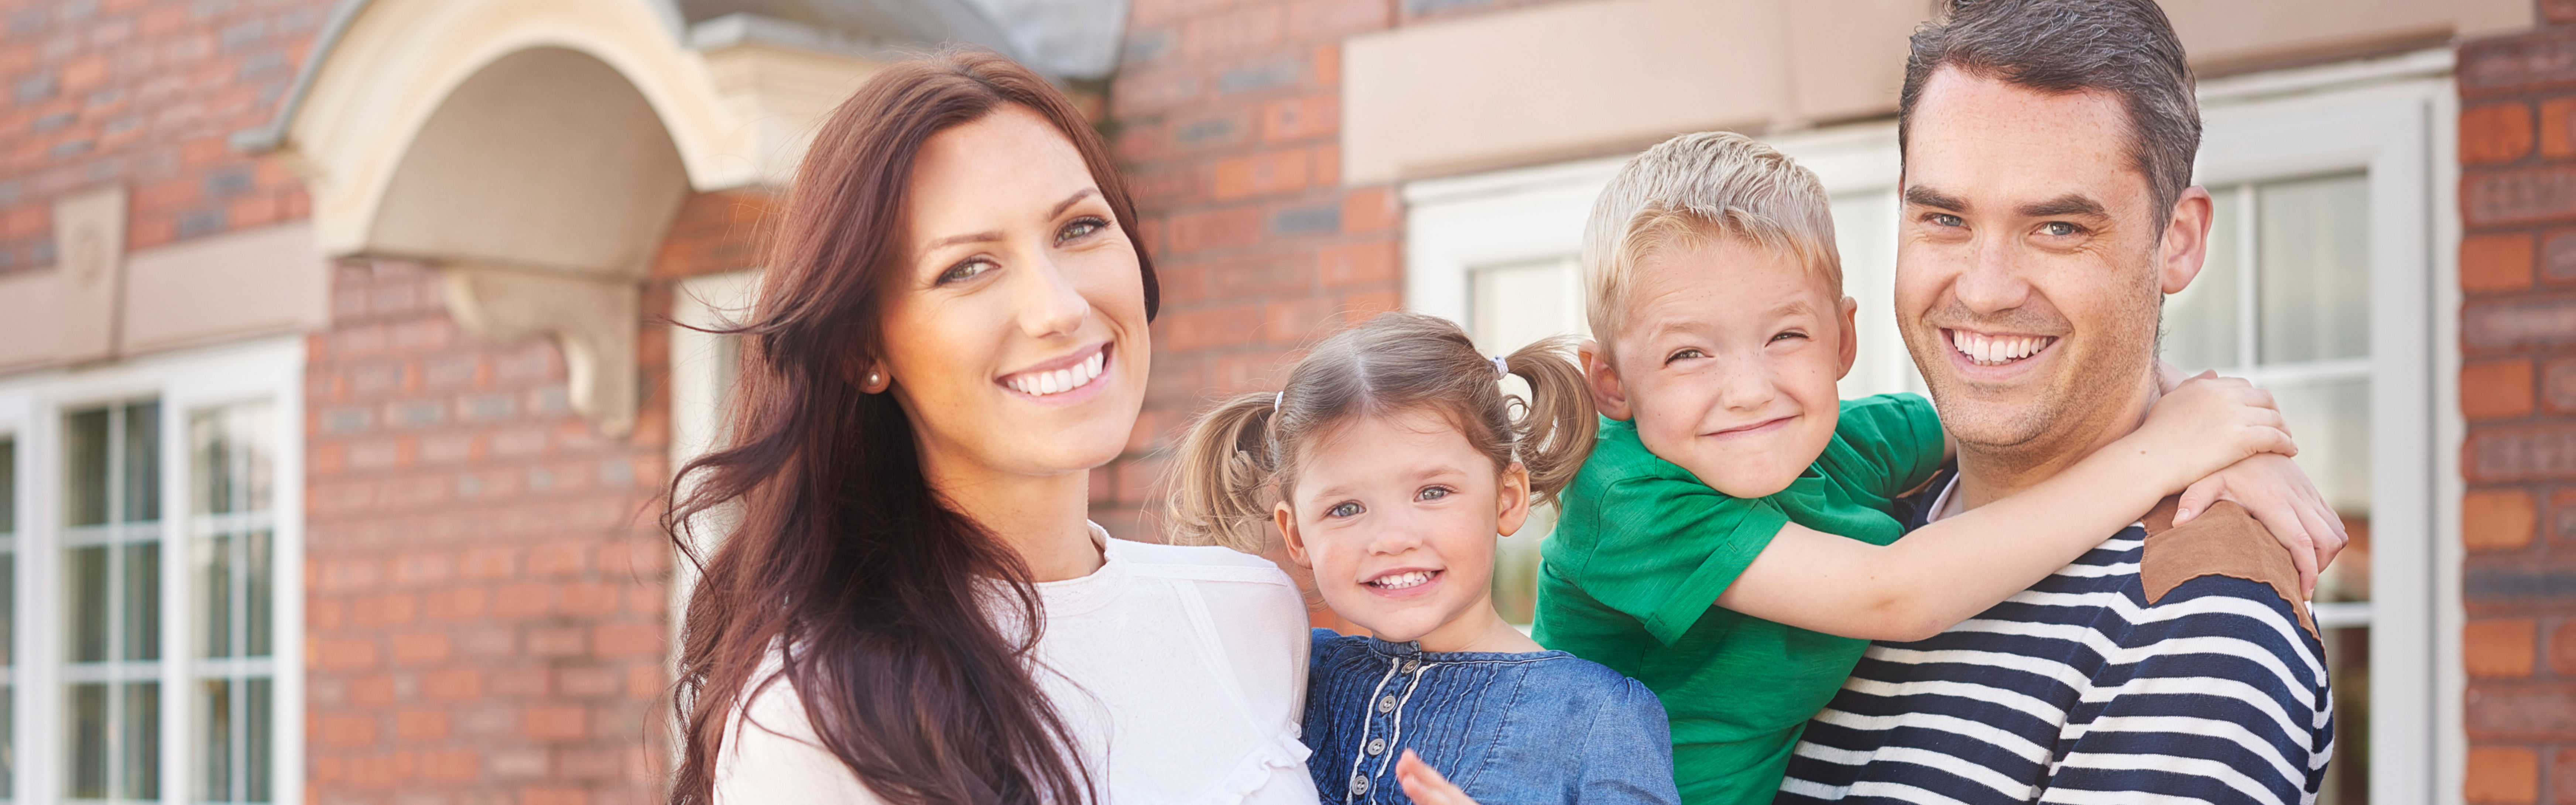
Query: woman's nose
{"points": [[1050, 305]]}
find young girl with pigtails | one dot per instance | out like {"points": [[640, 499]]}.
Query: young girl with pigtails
{"points": [[1390, 462]]}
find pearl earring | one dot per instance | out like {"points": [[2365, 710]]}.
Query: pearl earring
{"points": [[875, 378]]}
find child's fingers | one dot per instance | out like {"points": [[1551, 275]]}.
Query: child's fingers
{"points": [[1424, 784], [2333, 540], [2291, 524], [2197, 497]]}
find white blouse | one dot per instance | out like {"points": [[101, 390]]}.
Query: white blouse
{"points": [[1180, 672]]}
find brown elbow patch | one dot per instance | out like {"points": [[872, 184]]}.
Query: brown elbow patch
{"points": [[2224, 541]]}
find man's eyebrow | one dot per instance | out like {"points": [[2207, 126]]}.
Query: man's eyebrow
{"points": [[2066, 205], [989, 237], [1921, 196]]}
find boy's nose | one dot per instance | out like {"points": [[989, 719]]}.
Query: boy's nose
{"points": [[1745, 386]]}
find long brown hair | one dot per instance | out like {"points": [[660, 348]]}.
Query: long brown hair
{"points": [[1242, 456], [840, 556]]}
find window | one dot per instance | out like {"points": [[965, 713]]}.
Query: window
{"points": [[2321, 287], [146, 509]]}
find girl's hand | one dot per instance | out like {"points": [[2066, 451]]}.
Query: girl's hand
{"points": [[2278, 494], [2207, 424], [1425, 786]]}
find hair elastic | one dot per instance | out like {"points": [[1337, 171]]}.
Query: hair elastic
{"points": [[1276, 399], [1502, 368]]}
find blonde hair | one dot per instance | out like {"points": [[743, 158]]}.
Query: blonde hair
{"points": [[1687, 189], [1242, 457]]}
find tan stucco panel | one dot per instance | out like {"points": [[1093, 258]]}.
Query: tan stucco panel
{"points": [[1568, 79], [225, 286]]}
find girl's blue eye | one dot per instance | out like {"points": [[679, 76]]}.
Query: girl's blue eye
{"points": [[1432, 493], [1345, 509], [967, 270]]}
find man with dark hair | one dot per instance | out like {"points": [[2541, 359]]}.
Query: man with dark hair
{"points": [[2047, 208]]}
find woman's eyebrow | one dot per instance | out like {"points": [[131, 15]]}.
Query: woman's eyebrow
{"points": [[1069, 201], [993, 236]]}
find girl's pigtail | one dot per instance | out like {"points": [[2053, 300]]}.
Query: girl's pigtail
{"points": [[1555, 427], [1222, 480]]}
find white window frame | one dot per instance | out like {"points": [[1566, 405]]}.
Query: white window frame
{"points": [[31, 408], [2395, 117], [697, 402]]}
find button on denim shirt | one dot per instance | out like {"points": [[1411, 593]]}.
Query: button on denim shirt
{"points": [[1542, 727]]}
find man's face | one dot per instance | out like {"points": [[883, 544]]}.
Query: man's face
{"points": [[2029, 261]]}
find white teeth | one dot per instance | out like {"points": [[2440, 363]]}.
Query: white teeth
{"points": [[1060, 380], [1992, 351], [1402, 580]]}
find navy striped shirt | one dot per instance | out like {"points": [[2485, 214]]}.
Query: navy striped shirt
{"points": [[2078, 690]]}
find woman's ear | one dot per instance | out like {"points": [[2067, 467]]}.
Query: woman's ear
{"points": [[1512, 500], [1287, 522]]}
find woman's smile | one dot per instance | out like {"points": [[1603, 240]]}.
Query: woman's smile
{"points": [[1069, 379]]}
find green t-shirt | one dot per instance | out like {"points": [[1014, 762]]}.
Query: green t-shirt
{"points": [[1642, 550]]}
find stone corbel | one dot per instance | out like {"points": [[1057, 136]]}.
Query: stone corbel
{"points": [[593, 319]]}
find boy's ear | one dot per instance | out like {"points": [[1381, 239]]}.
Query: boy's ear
{"points": [[1513, 497], [1287, 522], [1849, 321], [1602, 379]]}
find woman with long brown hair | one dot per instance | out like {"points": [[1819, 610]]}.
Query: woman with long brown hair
{"points": [[908, 604]]}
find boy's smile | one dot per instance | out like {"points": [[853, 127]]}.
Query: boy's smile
{"points": [[1727, 362]]}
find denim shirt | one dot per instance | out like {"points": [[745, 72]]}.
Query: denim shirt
{"points": [[1542, 727]]}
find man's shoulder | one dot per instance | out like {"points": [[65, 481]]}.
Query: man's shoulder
{"points": [[2222, 543]]}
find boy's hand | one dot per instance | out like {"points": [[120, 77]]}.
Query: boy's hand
{"points": [[1424, 785], [2278, 494], [2207, 424]]}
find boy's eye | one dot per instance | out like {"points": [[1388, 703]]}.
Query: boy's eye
{"points": [[1788, 334], [1079, 228], [2058, 229], [966, 270], [1432, 493], [1348, 508], [1684, 354]]}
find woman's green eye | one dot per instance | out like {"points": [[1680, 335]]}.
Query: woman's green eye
{"points": [[1351, 509], [965, 270], [1080, 228]]}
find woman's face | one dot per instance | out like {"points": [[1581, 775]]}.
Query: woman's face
{"points": [[1015, 323]]}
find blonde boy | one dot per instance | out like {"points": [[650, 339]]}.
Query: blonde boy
{"points": [[1729, 542]]}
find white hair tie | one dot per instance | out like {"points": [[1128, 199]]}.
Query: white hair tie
{"points": [[1276, 399], [1502, 368]]}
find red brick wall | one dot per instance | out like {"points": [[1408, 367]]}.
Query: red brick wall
{"points": [[145, 92], [485, 590], [2518, 392]]}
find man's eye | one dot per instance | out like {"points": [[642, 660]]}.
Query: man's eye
{"points": [[1946, 219], [1432, 493], [966, 270], [1685, 354], [1080, 228], [1346, 509], [1788, 334], [2058, 229]]}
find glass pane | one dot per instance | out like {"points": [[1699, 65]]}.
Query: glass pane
{"points": [[1515, 304], [2314, 248], [143, 462], [88, 738], [142, 602], [256, 589], [85, 470], [8, 742], [255, 740], [215, 740], [229, 447], [85, 595], [215, 597], [141, 777], [2331, 421], [8, 486], [8, 617], [2200, 323]]}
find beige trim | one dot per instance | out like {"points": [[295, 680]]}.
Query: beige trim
{"points": [[67, 314], [226, 286], [592, 320]]}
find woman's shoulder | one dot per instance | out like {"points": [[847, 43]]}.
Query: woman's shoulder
{"points": [[1209, 563]]}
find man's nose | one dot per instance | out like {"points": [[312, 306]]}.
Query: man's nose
{"points": [[1992, 281]]}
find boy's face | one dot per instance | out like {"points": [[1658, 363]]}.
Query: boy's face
{"points": [[1727, 363], [1397, 516]]}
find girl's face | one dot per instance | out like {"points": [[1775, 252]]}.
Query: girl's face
{"points": [[1397, 517], [1015, 328]]}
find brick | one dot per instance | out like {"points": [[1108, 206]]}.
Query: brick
{"points": [[422, 648], [628, 640], [2496, 132], [2495, 66], [453, 684], [2504, 454], [553, 795], [1372, 209], [2496, 390], [1231, 34], [1301, 118], [1360, 264], [2557, 138], [2558, 256], [1260, 174], [2562, 651], [2496, 262], [2558, 385], [2516, 196], [347, 655], [2558, 11], [555, 722], [2519, 583], [1312, 20], [1215, 229], [340, 729], [2499, 649], [421, 724], [2502, 776], [2497, 519]]}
